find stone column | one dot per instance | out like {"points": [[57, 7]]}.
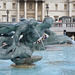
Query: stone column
{"points": [[36, 10], [25, 9], [70, 9], [43, 3], [18, 10]]}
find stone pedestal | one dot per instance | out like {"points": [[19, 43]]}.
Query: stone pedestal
{"points": [[25, 62]]}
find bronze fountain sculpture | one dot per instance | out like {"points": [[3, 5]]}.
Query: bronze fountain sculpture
{"points": [[17, 41]]}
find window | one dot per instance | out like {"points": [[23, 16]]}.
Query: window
{"points": [[13, 18], [65, 6], [14, 5], [4, 18], [73, 18], [30, 6], [39, 6], [73, 6], [4, 5], [56, 6], [21, 7]]}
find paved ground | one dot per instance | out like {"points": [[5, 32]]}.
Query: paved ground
{"points": [[56, 47]]}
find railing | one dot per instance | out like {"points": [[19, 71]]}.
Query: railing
{"points": [[63, 24], [55, 24]]}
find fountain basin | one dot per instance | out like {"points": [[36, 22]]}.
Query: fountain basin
{"points": [[56, 62]]}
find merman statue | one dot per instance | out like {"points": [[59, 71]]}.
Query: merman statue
{"points": [[18, 40]]}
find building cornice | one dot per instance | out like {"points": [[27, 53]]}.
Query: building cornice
{"points": [[58, 10], [9, 9]]}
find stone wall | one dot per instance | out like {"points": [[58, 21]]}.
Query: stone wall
{"points": [[53, 9]]}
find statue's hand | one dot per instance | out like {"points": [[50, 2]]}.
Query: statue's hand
{"points": [[11, 49]]}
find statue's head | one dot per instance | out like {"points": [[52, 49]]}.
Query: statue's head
{"points": [[22, 19], [33, 22], [48, 21]]}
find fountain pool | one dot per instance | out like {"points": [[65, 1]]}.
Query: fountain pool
{"points": [[56, 62]]}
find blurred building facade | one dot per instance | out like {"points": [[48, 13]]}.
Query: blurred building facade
{"points": [[36, 9]]}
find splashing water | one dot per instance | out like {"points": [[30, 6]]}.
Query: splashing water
{"points": [[41, 39], [73, 41]]}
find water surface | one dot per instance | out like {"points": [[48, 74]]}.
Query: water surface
{"points": [[58, 62]]}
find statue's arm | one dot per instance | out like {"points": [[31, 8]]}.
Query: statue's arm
{"points": [[8, 29], [5, 30], [49, 32], [4, 25], [18, 33]]}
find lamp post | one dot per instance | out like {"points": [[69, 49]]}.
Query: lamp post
{"points": [[7, 14], [47, 8]]}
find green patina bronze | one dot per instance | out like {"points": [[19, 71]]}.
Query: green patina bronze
{"points": [[19, 49]]}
